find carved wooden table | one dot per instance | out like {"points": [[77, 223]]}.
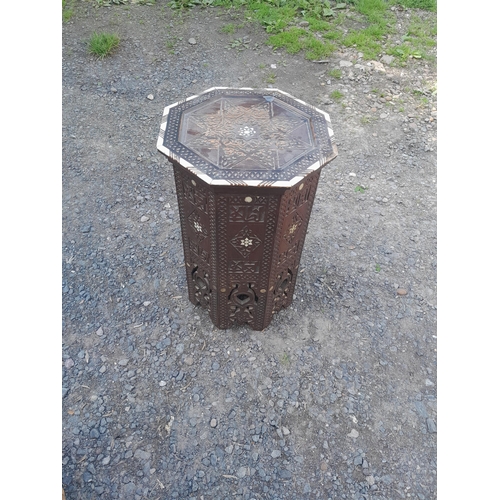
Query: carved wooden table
{"points": [[246, 165]]}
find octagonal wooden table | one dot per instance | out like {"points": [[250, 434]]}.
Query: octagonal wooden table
{"points": [[246, 165]]}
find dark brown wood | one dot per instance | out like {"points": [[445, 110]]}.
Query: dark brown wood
{"points": [[242, 246], [246, 167]]}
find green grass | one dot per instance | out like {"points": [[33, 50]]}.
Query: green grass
{"points": [[418, 41], [365, 25], [335, 73], [337, 95], [377, 268], [102, 44], [296, 39], [430, 5], [170, 45], [359, 189], [239, 44], [271, 78], [285, 359], [229, 28], [67, 9]]}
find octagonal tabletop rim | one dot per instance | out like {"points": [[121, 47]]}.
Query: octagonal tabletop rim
{"points": [[323, 153]]}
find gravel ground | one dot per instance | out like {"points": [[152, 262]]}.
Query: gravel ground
{"points": [[337, 397]]}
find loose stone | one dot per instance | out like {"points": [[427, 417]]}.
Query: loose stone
{"points": [[431, 426]]}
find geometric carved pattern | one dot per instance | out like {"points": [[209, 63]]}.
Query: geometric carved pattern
{"points": [[292, 230], [282, 290], [198, 254], [195, 194], [245, 241], [247, 133], [288, 254], [202, 288], [299, 196], [195, 222], [247, 213], [242, 303], [244, 267]]}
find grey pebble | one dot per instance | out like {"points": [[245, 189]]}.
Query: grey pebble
{"points": [[387, 59], [142, 455], [431, 426]]}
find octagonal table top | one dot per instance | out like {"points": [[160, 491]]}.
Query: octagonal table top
{"points": [[228, 136]]}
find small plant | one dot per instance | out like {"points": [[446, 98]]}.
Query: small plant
{"points": [[271, 78], [170, 46], [365, 120], [102, 44], [229, 28], [420, 4], [67, 9], [360, 189], [377, 268], [285, 359], [423, 102], [336, 94], [335, 73], [239, 44]]}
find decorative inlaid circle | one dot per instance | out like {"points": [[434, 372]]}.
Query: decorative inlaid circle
{"points": [[301, 186], [193, 182], [248, 199]]}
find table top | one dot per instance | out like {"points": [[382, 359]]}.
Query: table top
{"points": [[229, 136]]}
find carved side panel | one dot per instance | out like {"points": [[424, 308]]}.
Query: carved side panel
{"points": [[242, 252], [296, 206], [193, 201], [246, 233]]}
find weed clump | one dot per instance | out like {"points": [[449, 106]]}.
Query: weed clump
{"points": [[102, 44]]}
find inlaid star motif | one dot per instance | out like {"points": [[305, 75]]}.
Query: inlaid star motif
{"points": [[295, 223], [245, 241], [195, 222]]}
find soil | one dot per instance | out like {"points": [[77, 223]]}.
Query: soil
{"points": [[337, 397]]}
